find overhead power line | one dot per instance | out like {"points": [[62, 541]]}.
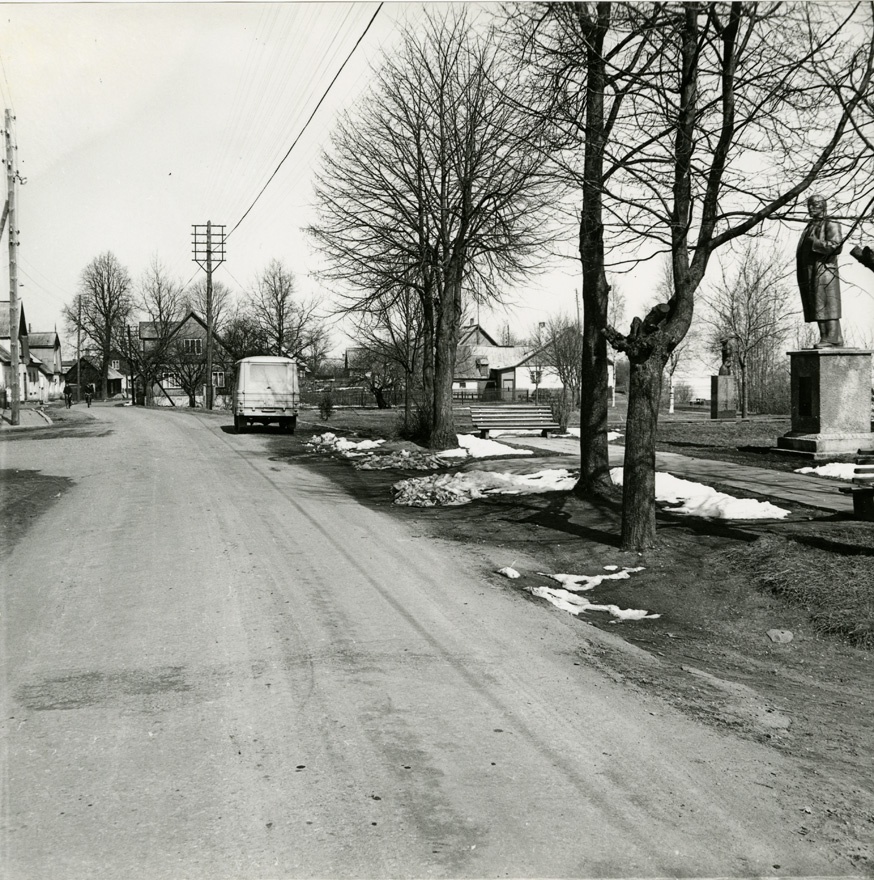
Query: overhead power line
{"points": [[306, 124]]}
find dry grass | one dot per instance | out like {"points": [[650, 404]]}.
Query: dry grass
{"points": [[835, 588]]}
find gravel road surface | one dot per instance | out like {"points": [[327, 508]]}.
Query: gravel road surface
{"points": [[218, 665]]}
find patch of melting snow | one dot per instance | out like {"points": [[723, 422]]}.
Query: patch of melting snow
{"points": [[574, 604], [462, 488], [476, 447], [704, 501], [836, 469], [581, 582]]}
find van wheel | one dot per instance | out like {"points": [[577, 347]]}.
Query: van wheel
{"points": [[239, 424], [291, 424]]}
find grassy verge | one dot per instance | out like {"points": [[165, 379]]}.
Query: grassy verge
{"points": [[834, 588]]}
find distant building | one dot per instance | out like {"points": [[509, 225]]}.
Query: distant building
{"points": [[486, 370]]}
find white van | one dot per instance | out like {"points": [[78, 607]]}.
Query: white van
{"points": [[265, 390]]}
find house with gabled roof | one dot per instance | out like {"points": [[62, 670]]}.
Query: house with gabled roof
{"points": [[86, 371], [181, 349], [28, 372], [46, 349]]}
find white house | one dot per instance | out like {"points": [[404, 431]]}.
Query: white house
{"points": [[485, 370]]}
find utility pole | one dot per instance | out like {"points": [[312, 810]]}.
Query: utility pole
{"points": [[130, 365], [209, 252], [14, 318], [79, 350]]}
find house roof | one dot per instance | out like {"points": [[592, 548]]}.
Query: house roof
{"points": [[473, 359], [147, 329], [4, 320], [476, 334], [44, 340]]}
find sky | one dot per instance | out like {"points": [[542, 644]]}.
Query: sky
{"points": [[135, 121]]}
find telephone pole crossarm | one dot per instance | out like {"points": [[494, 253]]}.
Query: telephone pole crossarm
{"points": [[209, 251]]}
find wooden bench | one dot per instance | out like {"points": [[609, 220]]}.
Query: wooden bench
{"points": [[513, 417], [863, 490]]}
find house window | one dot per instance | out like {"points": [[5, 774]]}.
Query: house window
{"points": [[218, 379], [170, 380], [193, 346], [535, 376], [115, 364], [462, 384]]}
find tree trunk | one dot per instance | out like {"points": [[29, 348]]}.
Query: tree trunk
{"points": [[428, 362], [408, 403], [638, 478], [594, 456], [744, 393], [443, 434]]}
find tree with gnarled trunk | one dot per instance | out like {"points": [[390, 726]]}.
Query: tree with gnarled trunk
{"points": [[781, 83], [432, 185], [101, 308]]}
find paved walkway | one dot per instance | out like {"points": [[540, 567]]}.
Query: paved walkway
{"points": [[28, 417], [812, 491]]}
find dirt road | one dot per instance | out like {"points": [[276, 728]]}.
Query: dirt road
{"points": [[219, 665]]}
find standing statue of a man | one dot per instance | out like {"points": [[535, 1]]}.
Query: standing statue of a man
{"points": [[817, 268]]}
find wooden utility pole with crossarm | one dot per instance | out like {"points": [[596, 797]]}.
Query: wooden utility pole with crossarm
{"points": [[14, 319], [209, 252]]}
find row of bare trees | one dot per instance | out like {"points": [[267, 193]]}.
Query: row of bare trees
{"points": [[273, 318], [673, 128]]}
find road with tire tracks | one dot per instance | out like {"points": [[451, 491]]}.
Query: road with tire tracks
{"points": [[217, 664]]}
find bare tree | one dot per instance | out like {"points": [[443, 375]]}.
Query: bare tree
{"points": [[194, 298], [101, 308], [752, 306], [188, 366], [392, 334], [160, 299], [582, 61], [562, 341], [290, 324], [242, 334], [432, 185], [782, 83]]}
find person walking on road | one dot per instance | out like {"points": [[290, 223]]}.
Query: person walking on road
{"points": [[68, 395], [89, 393]]}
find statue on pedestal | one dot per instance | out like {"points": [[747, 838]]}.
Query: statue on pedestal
{"points": [[727, 355], [817, 270]]}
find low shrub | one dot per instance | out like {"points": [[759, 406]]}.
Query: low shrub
{"points": [[418, 430], [326, 406], [561, 410]]}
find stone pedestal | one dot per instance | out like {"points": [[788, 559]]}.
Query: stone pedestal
{"points": [[723, 397], [831, 403]]}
